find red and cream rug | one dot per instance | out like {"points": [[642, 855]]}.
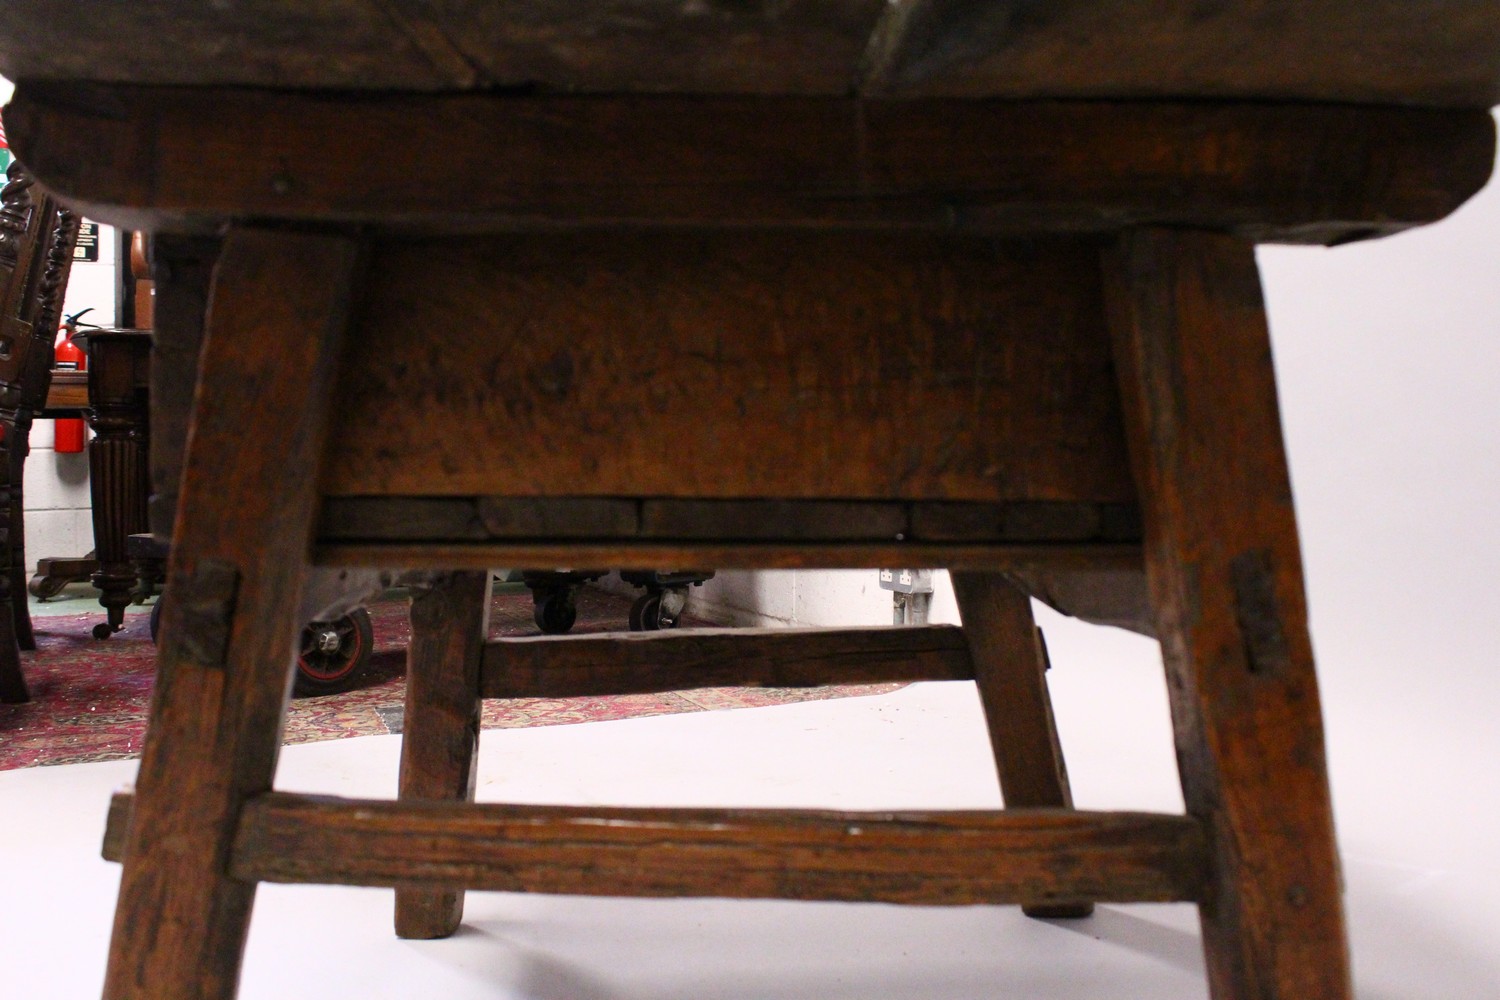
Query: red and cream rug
{"points": [[89, 698]]}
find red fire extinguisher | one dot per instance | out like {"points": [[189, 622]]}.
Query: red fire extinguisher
{"points": [[67, 356]]}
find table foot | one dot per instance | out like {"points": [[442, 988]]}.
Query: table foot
{"points": [[1010, 664], [449, 623]]}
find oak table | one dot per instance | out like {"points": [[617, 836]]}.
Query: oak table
{"points": [[450, 286]]}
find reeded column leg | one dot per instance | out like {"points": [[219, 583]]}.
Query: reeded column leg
{"points": [[276, 325], [440, 735], [1010, 669], [117, 466], [1223, 562]]}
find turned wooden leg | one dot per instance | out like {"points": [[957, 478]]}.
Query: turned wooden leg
{"points": [[119, 478], [440, 735], [1010, 668], [229, 633], [1222, 559]]}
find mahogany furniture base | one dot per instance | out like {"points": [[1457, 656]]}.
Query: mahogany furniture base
{"points": [[119, 380], [116, 405], [53, 573]]}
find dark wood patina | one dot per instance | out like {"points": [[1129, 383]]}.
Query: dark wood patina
{"points": [[1029, 226], [37, 234]]}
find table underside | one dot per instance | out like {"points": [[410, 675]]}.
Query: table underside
{"points": [[1424, 52], [745, 330]]}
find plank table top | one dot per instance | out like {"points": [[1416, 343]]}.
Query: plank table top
{"points": [[1436, 53], [1276, 120]]}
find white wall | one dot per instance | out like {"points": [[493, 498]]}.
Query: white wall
{"points": [[809, 597]]}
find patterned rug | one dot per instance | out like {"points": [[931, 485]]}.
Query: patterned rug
{"points": [[89, 698]]}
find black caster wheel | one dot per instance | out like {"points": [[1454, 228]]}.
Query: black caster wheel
{"points": [[638, 613], [103, 630], [648, 614], [554, 612], [333, 653]]}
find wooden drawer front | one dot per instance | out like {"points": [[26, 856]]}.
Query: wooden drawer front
{"points": [[733, 365]]}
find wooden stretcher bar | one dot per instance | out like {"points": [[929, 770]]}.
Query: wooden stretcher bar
{"points": [[1023, 855]]}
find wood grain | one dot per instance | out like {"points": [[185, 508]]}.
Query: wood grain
{"points": [[558, 517], [1435, 52], [1225, 573], [28, 220], [731, 272], [477, 519], [69, 391], [1024, 521], [450, 618], [735, 555], [774, 520], [1367, 51], [684, 659], [183, 272], [562, 45], [119, 368], [1010, 663], [927, 858], [141, 158], [60, 234], [37, 235], [731, 366], [235, 572]]}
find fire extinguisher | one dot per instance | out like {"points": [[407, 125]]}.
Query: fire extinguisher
{"points": [[68, 431]]}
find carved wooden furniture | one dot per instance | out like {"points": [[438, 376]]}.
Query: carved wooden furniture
{"points": [[115, 404], [36, 254], [670, 295], [118, 376], [119, 373]]}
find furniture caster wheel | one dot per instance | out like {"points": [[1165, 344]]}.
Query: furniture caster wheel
{"points": [[333, 653], [103, 630], [554, 612], [638, 613], [650, 613]]}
